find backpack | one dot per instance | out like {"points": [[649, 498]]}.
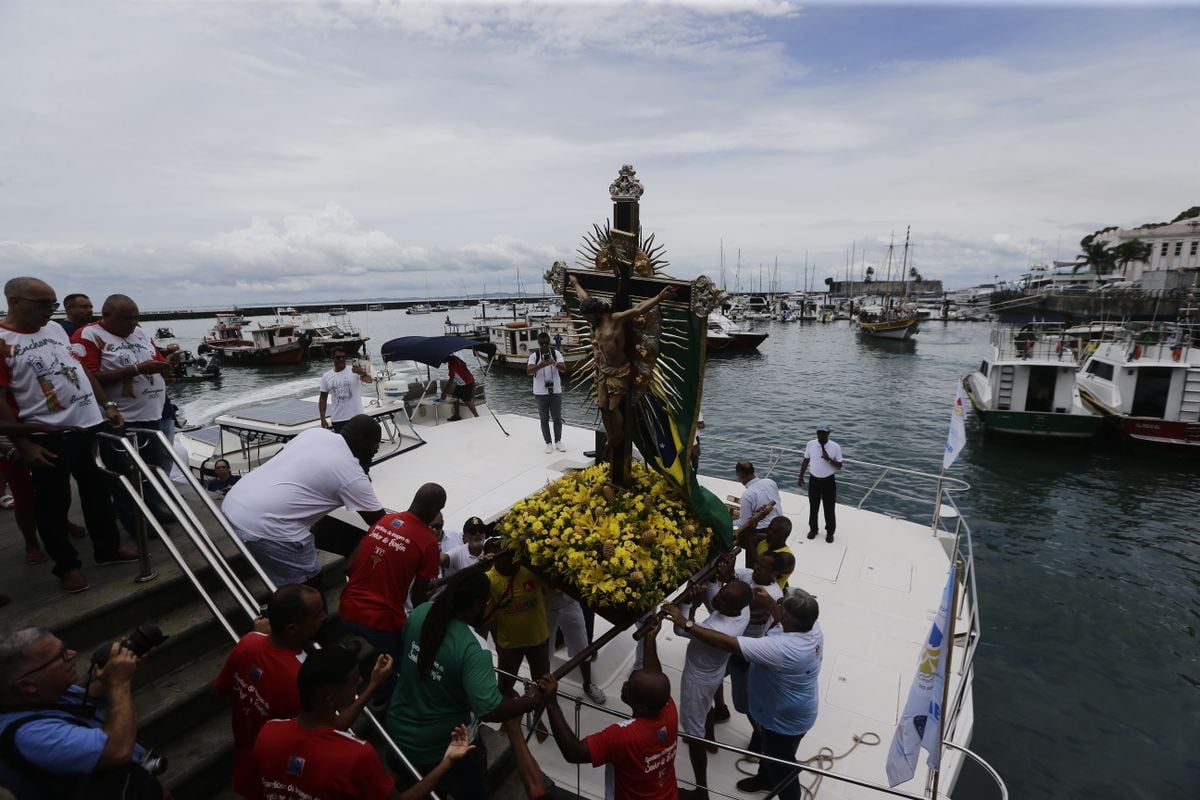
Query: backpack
{"points": [[129, 782]]}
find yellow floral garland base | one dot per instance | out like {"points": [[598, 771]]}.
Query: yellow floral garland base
{"points": [[616, 549]]}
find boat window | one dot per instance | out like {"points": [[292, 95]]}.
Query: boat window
{"points": [[983, 369], [1100, 369], [1150, 394], [1040, 394]]}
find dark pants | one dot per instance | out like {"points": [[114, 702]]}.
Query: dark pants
{"points": [[52, 498], [153, 454], [388, 642], [779, 745], [548, 405], [822, 490], [336, 427], [466, 780]]}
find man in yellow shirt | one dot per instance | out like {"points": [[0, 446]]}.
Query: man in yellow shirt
{"points": [[518, 610], [776, 542]]}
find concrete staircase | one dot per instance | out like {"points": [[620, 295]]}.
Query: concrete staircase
{"points": [[177, 714]]}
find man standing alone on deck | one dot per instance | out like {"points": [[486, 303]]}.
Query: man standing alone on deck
{"points": [[822, 460], [343, 385], [545, 367]]}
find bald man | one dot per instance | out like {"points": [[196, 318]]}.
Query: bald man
{"points": [[639, 753], [45, 382], [129, 367]]}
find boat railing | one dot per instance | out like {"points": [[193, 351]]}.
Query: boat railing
{"points": [[130, 478], [807, 767], [1039, 343]]}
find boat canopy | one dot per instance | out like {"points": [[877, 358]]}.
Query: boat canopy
{"points": [[432, 350]]}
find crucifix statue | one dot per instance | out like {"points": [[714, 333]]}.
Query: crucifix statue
{"points": [[626, 330]]}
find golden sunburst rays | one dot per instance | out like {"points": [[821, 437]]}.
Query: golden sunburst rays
{"points": [[598, 251]]}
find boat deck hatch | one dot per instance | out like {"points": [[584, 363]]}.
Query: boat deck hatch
{"points": [[283, 412], [887, 572], [820, 560], [864, 688]]}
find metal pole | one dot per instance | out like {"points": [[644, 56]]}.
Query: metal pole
{"points": [[952, 613]]}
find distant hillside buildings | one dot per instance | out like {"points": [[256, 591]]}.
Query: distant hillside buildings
{"points": [[1174, 254]]}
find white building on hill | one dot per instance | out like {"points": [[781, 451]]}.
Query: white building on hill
{"points": [[1174, 257]]}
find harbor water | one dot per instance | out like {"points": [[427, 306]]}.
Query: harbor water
{"points": [[1088, 678]]}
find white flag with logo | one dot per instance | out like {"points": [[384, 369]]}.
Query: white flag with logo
{"points": [[958, 431], [920, 725]]}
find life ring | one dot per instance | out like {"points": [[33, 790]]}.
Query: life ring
{"points": [[517, 324]]}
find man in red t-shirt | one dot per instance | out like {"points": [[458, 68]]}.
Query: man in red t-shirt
{"points": [[397, 560], [309, 757], [639, 752], [461, 384]]}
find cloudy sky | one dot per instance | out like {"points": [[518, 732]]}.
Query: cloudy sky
{"points": [[205, 153]]}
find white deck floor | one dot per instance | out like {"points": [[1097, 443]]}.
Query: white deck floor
{"points": [[878, 584]]}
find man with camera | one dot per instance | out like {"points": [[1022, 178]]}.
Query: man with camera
{"points": [[546, 365], [60, 740]]}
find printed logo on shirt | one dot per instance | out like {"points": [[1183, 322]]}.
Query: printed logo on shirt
{"points": [[255, 673], [397, 523], [77, 350], [662, 734], [295, 766]]}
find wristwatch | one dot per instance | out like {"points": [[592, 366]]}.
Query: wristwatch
{"points": [[110, 404], [691, 623]]}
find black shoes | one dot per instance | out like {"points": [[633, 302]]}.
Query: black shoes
{"points": [[812, 534], [829, 537], [753, 784]]}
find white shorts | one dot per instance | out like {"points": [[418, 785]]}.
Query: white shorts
{"points": [[695, 700], [567, 615]]}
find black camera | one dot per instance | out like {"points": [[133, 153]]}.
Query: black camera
{"points": [[142, 640]]}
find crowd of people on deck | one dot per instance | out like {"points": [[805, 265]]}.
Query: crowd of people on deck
{"points": [[419, 601]]}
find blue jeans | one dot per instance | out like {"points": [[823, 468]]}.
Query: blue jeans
{"points": [[550, 405], [154, 455]]}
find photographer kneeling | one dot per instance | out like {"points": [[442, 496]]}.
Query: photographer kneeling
{"points": [[55, 742]]}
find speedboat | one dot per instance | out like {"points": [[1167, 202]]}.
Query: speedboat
{"points": [[725, 335], [1026, 385]]}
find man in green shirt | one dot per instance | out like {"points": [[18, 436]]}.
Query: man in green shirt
{"points": [[446, 678]]}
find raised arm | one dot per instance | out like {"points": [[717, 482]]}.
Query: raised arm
{"points": [[572, 748], [580, 292], [716, 639], [647, 304], [650, 662]]}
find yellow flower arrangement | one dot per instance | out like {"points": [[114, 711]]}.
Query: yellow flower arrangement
{"points": [[621, 550]]}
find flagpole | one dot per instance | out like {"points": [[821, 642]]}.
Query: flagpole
{"points": [[937, 499], [953, 618]]}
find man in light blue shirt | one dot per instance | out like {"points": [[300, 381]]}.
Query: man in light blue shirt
{"points": [[784, 668]]}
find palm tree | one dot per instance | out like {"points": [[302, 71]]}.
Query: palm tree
{"points": [[1096, 255], [915, 276], [1130, 251], [870, 275]]}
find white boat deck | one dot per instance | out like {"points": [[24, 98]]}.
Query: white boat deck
{"points": [[879, 585]]}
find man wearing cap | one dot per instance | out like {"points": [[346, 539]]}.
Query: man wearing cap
{"points": [[467, 553], [822, 460], [784, 669], [757, 494]]}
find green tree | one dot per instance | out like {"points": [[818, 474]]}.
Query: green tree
{"points": [[870, 275], [914, 275], [829, 282], [1133, 250], [1191, 213], [1097, 257]]}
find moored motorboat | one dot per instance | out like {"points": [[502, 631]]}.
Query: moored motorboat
{"points": [[1026, 385], [419, 308], [726, 336], [1148, 384]]}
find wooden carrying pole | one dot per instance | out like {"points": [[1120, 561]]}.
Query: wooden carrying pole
{"points": [[952, 614]]}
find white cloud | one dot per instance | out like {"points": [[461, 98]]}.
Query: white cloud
{"points": [[355, 149]]}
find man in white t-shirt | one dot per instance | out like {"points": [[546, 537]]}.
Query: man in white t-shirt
{"points": [[704, 670], [342, 386], [545, 366], [129, 367], [44, 382], [822, 460], [461, 556], [273, 508]]}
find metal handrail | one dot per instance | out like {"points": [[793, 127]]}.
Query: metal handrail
{"points": [[191, 526], [823, 773]]}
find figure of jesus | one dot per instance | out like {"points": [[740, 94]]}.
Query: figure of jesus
{"points": [[609, 336]]}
